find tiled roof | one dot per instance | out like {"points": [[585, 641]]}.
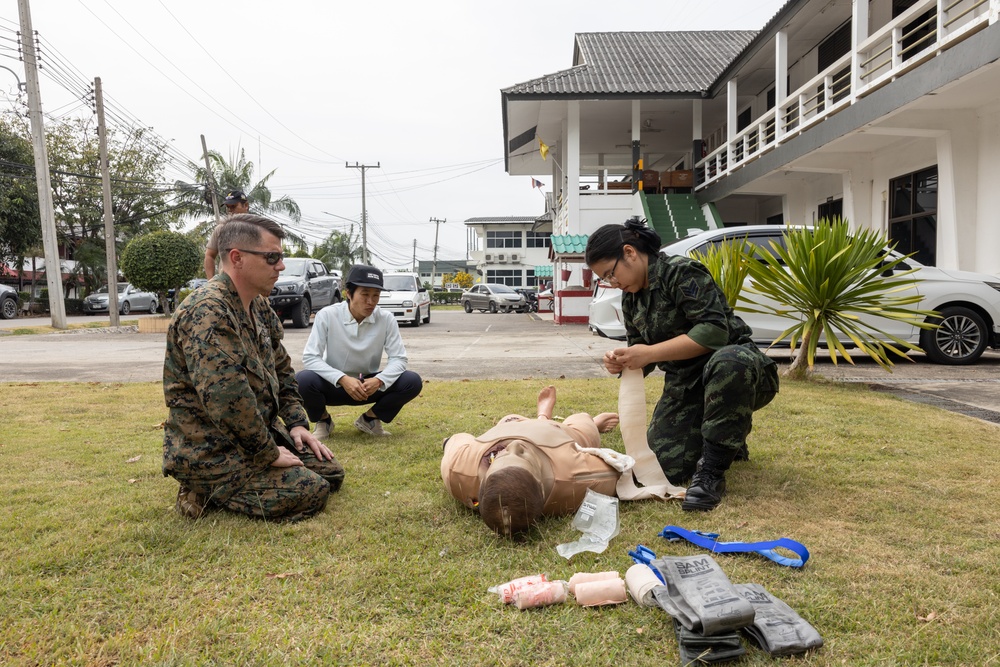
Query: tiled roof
{"points": [[569, 244], [543, 271], [642, 63]]}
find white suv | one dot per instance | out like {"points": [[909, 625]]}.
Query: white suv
{"points": [[969, 303], [406, 299]]}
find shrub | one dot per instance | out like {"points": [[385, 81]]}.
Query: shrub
{"points": [[160, 261]]}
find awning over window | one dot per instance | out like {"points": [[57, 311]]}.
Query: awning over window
{"points": [[564, 245], [543, 271]]}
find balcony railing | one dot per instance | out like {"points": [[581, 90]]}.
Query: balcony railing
{"points": [[910, 39]]}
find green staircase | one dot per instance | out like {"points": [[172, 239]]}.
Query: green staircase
{"points": [[672, 216]]}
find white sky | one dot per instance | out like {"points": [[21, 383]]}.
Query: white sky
{"points": [[305, 86]]}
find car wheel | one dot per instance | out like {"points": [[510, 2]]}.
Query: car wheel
{"points": [[960, 338], [301, 313], [427, 320], [8, 309], [416, 318], [153, 306], [467, 305], [336, 296], [493, 306], [125, 308]]}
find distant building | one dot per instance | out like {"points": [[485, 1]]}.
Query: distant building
{"points": [[444, 266], [511, 250]]}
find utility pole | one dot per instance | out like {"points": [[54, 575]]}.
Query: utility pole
{"points": [[415, 259], [434, 265], [46, 210], [211, 180], [109, 220], [364, 211]]}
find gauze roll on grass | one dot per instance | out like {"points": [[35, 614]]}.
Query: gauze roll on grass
{"points": [[541, 595], [600, 592], [641, 581], [584, 577]]}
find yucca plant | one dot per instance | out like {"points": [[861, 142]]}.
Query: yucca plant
{"points": [[830, 278], [728, 263]]}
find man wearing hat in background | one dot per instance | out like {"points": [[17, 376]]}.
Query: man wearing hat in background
{"points": [[343, 355], [236, 202]]}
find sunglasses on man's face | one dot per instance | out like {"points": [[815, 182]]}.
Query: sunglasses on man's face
{"points": [[271, 258]]}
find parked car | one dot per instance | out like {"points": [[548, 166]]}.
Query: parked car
{"points": [[493, 297], [190, 285], [969, 303], [406, 298], [8, 303], [129, 298], [606, 312], [303, 287]]}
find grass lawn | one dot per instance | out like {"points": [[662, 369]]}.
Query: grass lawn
{"points": [[899, 505]]}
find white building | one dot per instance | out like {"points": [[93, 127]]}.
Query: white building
{"points": [[886, 112], [511, 250]]}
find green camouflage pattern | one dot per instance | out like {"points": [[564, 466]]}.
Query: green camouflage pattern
{"points": [[708, 399], [231, 393]]}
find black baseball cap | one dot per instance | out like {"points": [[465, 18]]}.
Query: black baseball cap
{"points": [[236, 197], [362, 275]]}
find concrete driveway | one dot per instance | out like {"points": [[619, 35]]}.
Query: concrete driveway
{"points": [[457, 345]]}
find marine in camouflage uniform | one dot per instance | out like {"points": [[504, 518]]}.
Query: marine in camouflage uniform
{"points": [[231, 391], [706, 411]]}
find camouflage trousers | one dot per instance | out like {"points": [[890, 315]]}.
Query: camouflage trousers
{"points": [[288, 494], [716, 408]]}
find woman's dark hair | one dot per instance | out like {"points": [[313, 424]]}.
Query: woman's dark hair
{"points": [[608, 241]]}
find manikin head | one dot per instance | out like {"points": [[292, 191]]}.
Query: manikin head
{"points": [[511, 496]]}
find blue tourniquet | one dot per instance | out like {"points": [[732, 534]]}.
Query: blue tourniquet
{"points": [[767, 549]]}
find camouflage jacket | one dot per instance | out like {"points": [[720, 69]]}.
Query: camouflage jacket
{"points": [[230, 389], [681, 298]]}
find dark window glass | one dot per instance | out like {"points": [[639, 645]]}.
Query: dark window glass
{"points": [[539, 239], [913, 214]]}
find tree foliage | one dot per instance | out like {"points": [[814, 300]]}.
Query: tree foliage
{"points": [[461, 278], [236, 173], [161, 261], [829, 278], [20, 225], [339, 251]]}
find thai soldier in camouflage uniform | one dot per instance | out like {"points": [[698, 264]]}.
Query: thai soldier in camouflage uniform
{"points": [[235, 412], [678, 319]]}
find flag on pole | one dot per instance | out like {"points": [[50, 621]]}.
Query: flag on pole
{"points": [[543, 148], [535, 183]]}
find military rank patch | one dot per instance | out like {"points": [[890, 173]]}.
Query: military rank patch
{"points": [[690, 288]]}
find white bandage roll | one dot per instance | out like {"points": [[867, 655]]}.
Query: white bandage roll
{"points": [[602, 591], [584, 577], [641, 581]]}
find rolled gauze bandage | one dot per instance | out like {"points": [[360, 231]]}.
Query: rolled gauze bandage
{"points": [[641, 581], [584, 577], [540, 595], [602, 591]]}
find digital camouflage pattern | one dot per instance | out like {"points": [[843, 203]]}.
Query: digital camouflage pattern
{"points": [[708, 399], [230, 388]]}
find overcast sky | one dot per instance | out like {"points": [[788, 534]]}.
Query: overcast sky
{"points": [[306, 86]]}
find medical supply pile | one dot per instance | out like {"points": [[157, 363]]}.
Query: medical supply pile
{"points": [[707, 611]]}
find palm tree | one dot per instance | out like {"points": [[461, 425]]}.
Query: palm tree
{"points": [[237, 173], [339, 251], [828, 278], [728, 263]]}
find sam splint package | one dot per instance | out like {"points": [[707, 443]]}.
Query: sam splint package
{"points": [[777, 628]]}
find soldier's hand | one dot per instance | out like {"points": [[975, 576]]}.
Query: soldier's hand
{"points": [[611, 363], [303, 438], [286, 459], [632, 357]]}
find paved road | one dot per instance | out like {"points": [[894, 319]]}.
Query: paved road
{"points": [[457, 345]]}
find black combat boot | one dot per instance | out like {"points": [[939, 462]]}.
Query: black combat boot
{"points": [[709, 481]]}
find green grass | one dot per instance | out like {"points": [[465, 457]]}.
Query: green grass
{"points": [[47, 328], [898, 504]]}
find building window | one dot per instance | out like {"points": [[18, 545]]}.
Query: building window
{"points": [[539, 239], [830, 210], [509, 277], [531, 280], [503, 239], [913, 214]]}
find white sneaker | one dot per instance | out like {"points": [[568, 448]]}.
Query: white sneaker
{"points": [[370, 427], [323, 429]]}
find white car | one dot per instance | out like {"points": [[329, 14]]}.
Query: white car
{"points": [[406, 299], [969, 303]]}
